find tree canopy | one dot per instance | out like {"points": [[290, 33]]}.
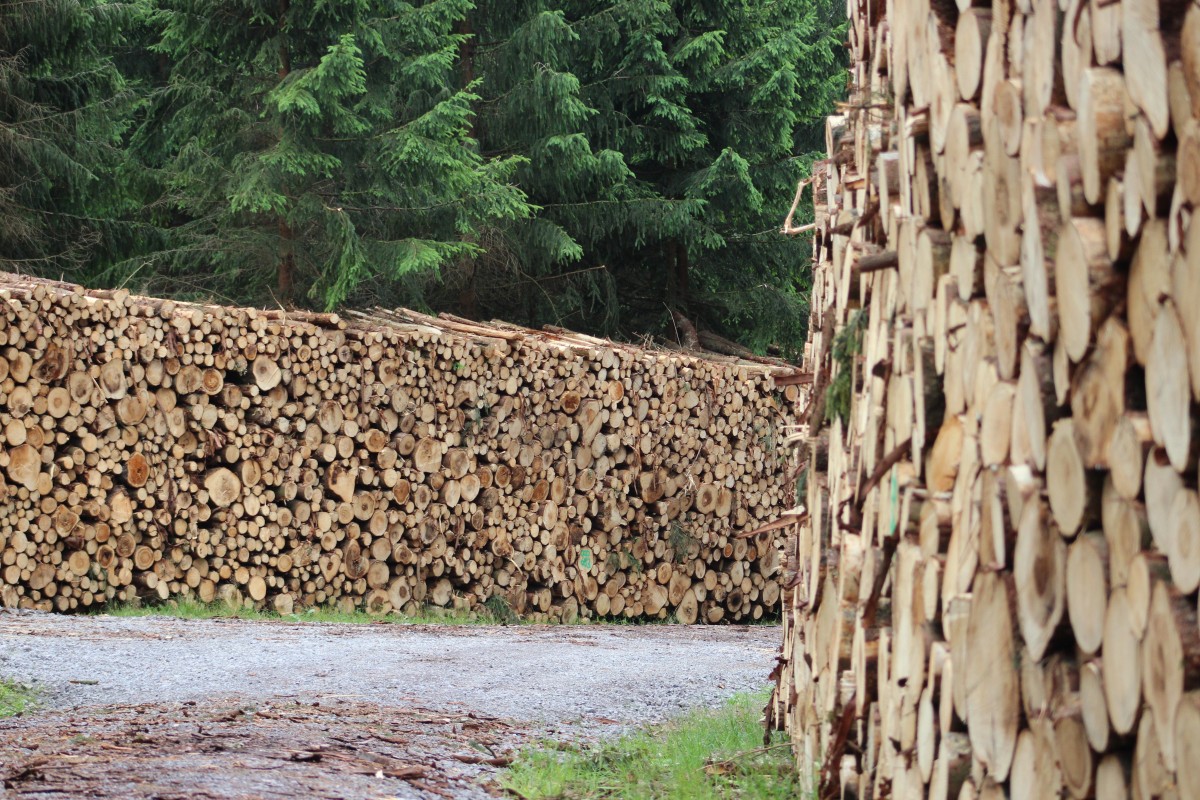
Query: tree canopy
{"points": [[596, 164], [64, 110]]}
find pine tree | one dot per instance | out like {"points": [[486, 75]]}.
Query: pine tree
{"points": [[308, 149], [63, 107]]}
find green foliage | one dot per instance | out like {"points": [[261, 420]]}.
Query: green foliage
{"points": [[663, 144], [681, 541], [598, 165], [500, 610], [63, 108], [305, 149], [623, 559], [192, 609], [706, 754], [15, 698], [184, 609], [847, 345]]}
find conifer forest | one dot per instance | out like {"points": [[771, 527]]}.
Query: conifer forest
{"points": [[602, 165]]}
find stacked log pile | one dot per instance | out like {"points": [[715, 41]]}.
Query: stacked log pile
{"points": [[994, 589], [155, 449]]}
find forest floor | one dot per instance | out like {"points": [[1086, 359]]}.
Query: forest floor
{"points": [[155, 707]]}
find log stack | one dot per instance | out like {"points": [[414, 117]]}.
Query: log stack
{"points": [[993, 591], [159, 449]]}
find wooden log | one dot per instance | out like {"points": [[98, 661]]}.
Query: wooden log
{"points": [[972, 31], [1185, 737], [1121, 665], [1072, 500], [1075, 756], [993, 706], [1087, 590], [1185, 293], [1170, 655], [1087, 285], [1168, 392], [1093, 707], [1039, 571], [1102, 136]]}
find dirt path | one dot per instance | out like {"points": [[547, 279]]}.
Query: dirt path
{"points": [[165, 708]]}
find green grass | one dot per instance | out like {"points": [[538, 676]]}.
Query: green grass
{"points": [[192, 609], [15, 698], [494, 612], [706, 754]]}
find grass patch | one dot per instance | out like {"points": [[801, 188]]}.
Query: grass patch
{"points": [[706, 754], [494, 612], [184, 609], [192, 609], [15, 698]]}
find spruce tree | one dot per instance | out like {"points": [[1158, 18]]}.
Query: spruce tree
{"points": [[307, 148], [63, 108], [762, 76], [600, 164], [586, 94], [664, 141]]}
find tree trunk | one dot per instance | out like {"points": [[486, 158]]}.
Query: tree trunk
{"points": [[287, 262], [681, 273]]}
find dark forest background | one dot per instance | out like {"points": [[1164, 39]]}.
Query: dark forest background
{"points": [[595, 165]]}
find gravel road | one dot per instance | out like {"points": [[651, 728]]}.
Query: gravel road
{"points": [[520, 683]]}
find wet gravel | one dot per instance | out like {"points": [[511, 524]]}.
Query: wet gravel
{"points": [[156, 708], [562, 681]]}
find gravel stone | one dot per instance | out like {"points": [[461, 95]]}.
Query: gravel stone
{"points": [[157, 708], [559, 676]]}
